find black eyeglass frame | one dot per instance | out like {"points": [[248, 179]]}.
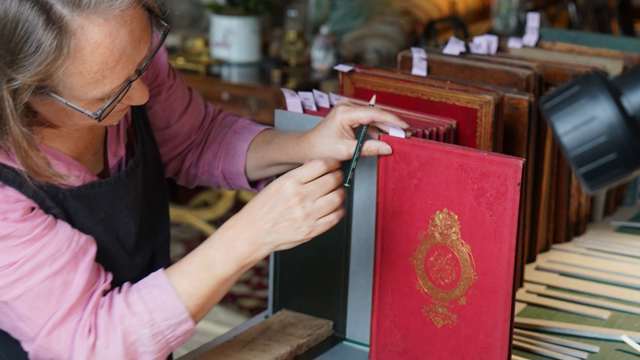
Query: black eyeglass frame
{"points": [[106, 109]]}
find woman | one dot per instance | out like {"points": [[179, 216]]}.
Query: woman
{"points": [[92, 119]]}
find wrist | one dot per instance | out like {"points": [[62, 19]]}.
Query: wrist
{"points": [[307, 147], [240, 243]]}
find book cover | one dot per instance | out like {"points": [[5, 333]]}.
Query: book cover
{"points": [[446, 235]]}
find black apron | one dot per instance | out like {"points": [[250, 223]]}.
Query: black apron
{"points": [[127, 214]]}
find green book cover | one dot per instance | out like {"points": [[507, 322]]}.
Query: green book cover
{"points": [[595, 40]]}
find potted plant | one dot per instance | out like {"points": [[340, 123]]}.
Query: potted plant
{"points": [[235, 29]]}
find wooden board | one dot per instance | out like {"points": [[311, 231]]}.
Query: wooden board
{"points": [[558, 341], [595, 275], [579, 299], [572, 248], [283, 336], [553, 347], [533, 299], [609, 248], [586, 262], [541, 351], [591, 332], [582, 286]]}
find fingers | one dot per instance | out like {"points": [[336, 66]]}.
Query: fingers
{"points": [[313, 170], [325, 184], [375, 148], [327, 222], [329, 203], [360, 115]]}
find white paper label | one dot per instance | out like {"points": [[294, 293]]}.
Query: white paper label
{"points": [[343, 68], [530, 39], [532, 29], [396, 132], [308, 102], [322, 99], [514, 43], [293, 101], [420, 66], [486, 44], [454, 46], [533, 19], [335, 99]]}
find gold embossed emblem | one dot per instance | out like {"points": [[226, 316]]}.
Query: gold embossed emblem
{"points": [[444, 267]]}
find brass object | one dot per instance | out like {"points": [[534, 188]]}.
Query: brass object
{"points": [[194, 55]]}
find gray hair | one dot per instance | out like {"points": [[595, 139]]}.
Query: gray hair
{"points": [[34, 40]]}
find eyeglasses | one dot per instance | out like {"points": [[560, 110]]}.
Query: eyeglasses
{"points": [[106, 109]]}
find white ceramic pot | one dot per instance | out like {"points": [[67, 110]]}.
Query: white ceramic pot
{"points": [[235, 39]]}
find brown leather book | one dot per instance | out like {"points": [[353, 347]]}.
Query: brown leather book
{"points": [[553, 186], [517, 86], [473, 70]]}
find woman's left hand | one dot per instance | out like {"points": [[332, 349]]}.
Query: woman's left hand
{"points": [[335, 136]]}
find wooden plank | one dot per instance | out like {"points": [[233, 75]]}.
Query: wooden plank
{"points": [[586, 262], [518, 357], [571, 248], [588, 274], [558, 341], [533, 299], [608, 248], [581, 286], [285, 335], [579, 299], [553, 347], [564, 328], [541, 351], [609, 240], [519, 307]]}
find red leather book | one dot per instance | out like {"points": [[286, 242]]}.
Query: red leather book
{"points": [[447, 219], [423, 126], [473, 110]]}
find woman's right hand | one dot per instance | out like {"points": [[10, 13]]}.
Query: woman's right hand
{"points": [[298, 206]]}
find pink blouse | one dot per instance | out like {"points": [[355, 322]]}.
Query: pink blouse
{"points": [[53, 293]]}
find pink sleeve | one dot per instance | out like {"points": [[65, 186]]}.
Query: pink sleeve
{"points": [[199, 143], [55, 298]]}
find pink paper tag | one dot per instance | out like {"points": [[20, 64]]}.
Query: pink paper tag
{"points": [[420, 65], [335, 99], [293, 101], [308, 102], [322, 99]]}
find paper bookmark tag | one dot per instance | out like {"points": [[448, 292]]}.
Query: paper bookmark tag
{"points": [[454, 46], [486, 44], [514, 43], [322, 99], [334, 99], [308, 102], [294, 104], [343, 68], [532, 29], [397, 132], [420, 66]]}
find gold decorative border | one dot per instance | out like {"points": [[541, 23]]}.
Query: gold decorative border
{"points": [[444, 229]]}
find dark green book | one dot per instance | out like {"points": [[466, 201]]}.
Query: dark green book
{"points": [[595, 40]]}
